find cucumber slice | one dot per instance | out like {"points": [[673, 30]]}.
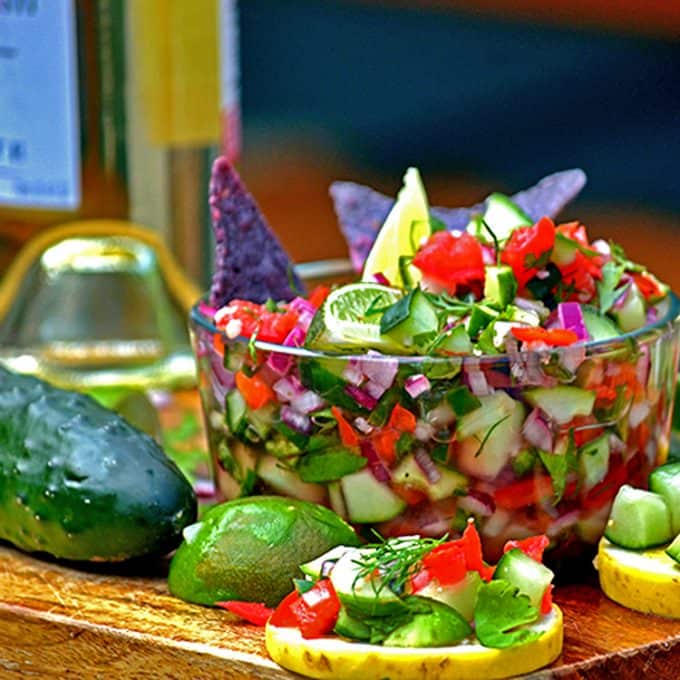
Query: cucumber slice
{"points": [[480, 317], [314, 567], [412, 321], [530, 576], [461, 596], [638, 519], [284, 481], [351, 627], [502, 216], [593, 460], [665, 481], [563, 403], [493, 407], [409, 472], [456, 341], [632, 314], [367, 500], [236, 412], [673, 550], [599, 327]]}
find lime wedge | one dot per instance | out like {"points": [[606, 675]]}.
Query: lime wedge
{"points": [[346, 319], [407, 224]]}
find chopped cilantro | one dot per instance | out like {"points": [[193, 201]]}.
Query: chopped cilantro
{"points": [[500, 609], [607, 287]]}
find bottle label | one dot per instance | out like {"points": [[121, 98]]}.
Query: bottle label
{"points": [[39, 124]]}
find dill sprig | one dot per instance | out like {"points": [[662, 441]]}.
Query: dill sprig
{"points": [[390, 563]]}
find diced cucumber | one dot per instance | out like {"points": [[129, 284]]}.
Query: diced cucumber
{"points": [[599, 327], [236, 471], [500, 285], [409, 472], [527, 317], [337, 499], [665, 481], [488, 451], [673, 550], [530, 576], [502, 216], [362, 594], [261, 420], [440, 627], [480, 317], [462, 596], [493, 407], [284, 481], [564, 250], [313, 568], [563, 403], [632, 314], [594, 461], [368, 500], [639, 519], [236, 412], [456, 340], [412, 321], [350, 626]]}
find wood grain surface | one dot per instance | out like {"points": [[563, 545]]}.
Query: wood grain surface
{"points": [[57, 621]]}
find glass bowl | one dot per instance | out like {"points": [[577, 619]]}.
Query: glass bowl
{"points": [[535, 442]]}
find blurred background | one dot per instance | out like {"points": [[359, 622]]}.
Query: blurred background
{"points": [[481, 96]]}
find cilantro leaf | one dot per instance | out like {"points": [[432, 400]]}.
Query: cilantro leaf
{"points": [[606, 288], [499, 610], [558, 466]]}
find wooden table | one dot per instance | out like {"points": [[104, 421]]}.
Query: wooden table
{"points": [[56, 621]]}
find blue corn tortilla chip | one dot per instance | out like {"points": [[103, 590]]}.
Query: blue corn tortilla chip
{"points": [[250, 262], [361, 211]]}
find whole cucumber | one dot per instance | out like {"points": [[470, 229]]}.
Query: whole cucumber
{"points": [[80, 483]]}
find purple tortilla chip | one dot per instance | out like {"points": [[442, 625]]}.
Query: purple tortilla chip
{"points": [[250, 263], [361, 211]]}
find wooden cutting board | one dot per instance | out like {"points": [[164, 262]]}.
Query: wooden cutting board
{"points": [[58, 622]]}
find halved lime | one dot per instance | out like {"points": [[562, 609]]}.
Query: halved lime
{"points": [[350, 318], [407, 224]]}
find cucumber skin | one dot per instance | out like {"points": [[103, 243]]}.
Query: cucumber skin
{"points": [[80, 483]]}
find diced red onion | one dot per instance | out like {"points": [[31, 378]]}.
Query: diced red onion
{"points": [[602, 247], [638, 412], [288, 388], [623, 295], [642, 366], [424, 431], [204, 488], [476, 381], [363, 425], [299, 304], [416, 385], [297, 421], [220, 389], [327, 568], [378, 469], [376, 390], [616, 444], [380, 278], [353, 373], [652, 315], [279, 363], [535, 306], [572, 356], [362, 398], [557, 526], [477, 503], [307, 402], [427, 465], [205, 309], [570, 317], [488, 255], [295, 338], [498, 379], [537, 432], [380, 370]]}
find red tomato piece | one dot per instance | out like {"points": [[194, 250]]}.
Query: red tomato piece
{"points": [[253, 612], [385, 444], [347, 434], [556, 337], [604, 492], [255, 391], [534, 546], [528, 249], [317, 610], [318, 296], [283, 615], [409, 494], [450, 260], [446, 563], [402, 419], [546, 602], [275, 326], [419, 580], [524, 492]]}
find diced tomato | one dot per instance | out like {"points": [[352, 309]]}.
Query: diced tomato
{"points": [[269, 326], [275, 326], [409, 494], [648, 285], [528, 249], [385, 444], [556, 337], [451, 261], [546, 602], [218, 344], [524, 492], [317, 610], [318, 296], [419, 580], [348, 436], [253, 612], [472, 547], [283, 615], [255, 391], [402, 419], [446, 563], [534, 546]]}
